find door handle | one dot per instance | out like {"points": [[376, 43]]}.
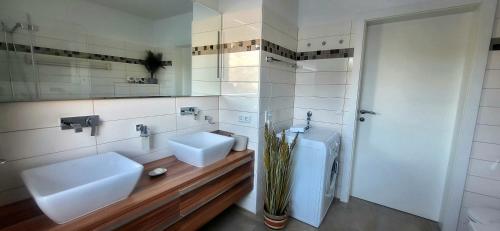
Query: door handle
{"points": [[362, 111]]}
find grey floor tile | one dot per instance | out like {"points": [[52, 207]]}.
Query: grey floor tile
{"points": [[357, 215]]}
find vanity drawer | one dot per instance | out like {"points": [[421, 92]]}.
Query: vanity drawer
{"points": [[193, 200], [158, 219]]}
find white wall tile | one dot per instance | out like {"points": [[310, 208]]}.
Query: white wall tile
{"points": [[276, 90], [487, 134], [338, 64], [333, 104], [242, 33], [483, 186], [331, 42], [278, 37], [238, 13], [489, 116], [241, 74], [486, 151], [477, 200], [239, 103], [124, 129], [323, 116], [31, 115], [238, 59], [486, 169], [135, 146], [324, 30], [496, 29], [203, 103], [204, 61], [492, 79], [23, 144], [321, 78], [277, 75], [493, 60], [490, 98], [116, 109], [337, 91], [319, 124], [240, 88]]}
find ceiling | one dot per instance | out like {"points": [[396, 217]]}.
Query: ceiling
{"points": [[152, 9]]}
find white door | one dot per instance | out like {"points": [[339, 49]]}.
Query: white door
{"points": [[412, 75]]}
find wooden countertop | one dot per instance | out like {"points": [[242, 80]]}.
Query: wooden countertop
{"points": [[149, 193]]}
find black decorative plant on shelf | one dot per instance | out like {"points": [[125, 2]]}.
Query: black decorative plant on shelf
{"points": [[153, 62]]}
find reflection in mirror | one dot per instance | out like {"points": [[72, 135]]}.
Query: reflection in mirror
{"points": [[82, 49], [206, 29]]}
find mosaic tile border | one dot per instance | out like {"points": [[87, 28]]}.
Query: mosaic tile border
{"points": [[257, 44], [74, 54], [326, 54], [249, 45]]}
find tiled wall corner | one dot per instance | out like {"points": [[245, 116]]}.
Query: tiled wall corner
{"points": [[242, 21], [324, 86], [482, 187]]}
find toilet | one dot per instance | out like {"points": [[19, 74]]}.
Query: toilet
{"points": [[483, 219]]}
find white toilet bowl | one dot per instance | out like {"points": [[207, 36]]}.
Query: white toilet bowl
{"points": [[483, 219]]}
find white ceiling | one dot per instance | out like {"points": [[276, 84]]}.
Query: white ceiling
{"points": [[152, 9]]}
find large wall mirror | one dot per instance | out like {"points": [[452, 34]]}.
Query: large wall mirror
{"points": [[88, 49]]}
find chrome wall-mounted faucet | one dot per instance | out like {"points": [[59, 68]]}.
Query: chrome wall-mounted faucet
{"points": [[309, 115], [209, 119], [143, 129], [79, 122], [191, 111]]}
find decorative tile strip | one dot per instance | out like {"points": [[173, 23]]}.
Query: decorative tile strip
{"points": [[326, 54], [74, 54], [249, 45], [278, 50], [495, 44], [257, 44]]}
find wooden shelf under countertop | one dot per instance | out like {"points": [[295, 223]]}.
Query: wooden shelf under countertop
{"points": [[156, 203]]}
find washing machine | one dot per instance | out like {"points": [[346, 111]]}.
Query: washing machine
{"points": [[316, 165]]}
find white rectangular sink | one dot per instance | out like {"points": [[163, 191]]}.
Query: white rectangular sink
{"points": [[70, 189], [201, 148]]}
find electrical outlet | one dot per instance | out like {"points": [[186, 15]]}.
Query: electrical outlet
{"points": [[245, 119]]}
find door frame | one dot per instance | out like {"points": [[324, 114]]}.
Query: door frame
{"points": [[469, 102]]}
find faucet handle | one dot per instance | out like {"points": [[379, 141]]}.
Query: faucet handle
{"points": [[92, 122], [77, 127]]}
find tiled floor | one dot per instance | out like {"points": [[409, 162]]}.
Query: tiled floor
{"points": [[357, 215]]}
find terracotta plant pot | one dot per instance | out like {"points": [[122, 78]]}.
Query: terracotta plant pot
{"points": [[275, 222]]}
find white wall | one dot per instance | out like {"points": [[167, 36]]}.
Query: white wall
{"points": [[327, 11], [482, 187]]}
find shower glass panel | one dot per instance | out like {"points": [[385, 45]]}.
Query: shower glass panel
{"points": [[17, 71]]}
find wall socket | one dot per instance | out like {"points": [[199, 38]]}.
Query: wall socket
{"points": [[244, 119]]}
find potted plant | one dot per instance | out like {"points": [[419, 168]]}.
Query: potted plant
{"points": [[153, 62], [277, 178]]}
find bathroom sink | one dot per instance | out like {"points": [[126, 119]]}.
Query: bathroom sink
{"points": [[201, 148], [70, 189]]}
